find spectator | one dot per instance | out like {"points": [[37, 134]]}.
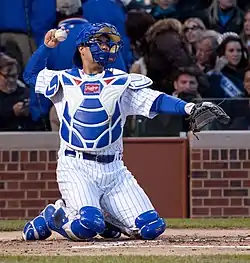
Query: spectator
{"points": [[206, 50], [180, 9], [69, 17], [24, 25], [227, 77], [14, 98], [225, 16], [226, 81], [186, 84], [246, 29], [192, 29], [164, 9], [166, 52], [247, 81], [137, 24]]}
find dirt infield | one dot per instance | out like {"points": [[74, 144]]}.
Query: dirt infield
{"points": [[173, 242]]}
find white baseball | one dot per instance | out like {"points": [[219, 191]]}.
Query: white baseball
{"points": [[61, 35]]}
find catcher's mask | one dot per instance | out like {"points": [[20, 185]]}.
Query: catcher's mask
{"points": [[90, 37]]}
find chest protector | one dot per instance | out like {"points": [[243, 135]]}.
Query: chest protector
{"points": [[91, 117]]}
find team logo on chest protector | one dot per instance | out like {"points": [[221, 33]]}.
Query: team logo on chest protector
{"points": [[96, 121]]}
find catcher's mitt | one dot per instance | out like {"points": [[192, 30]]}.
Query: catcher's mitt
{"points": [[204, 113]]}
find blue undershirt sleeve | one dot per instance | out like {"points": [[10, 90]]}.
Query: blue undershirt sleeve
{"points": [[169, 105], [36, 63]]}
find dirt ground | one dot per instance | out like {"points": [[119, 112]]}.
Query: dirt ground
{"points": [[172, 242]]}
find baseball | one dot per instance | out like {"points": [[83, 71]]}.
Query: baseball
{"points": [[61, 35]]}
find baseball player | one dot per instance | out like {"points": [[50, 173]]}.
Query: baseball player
{"points": [[99, 194]]}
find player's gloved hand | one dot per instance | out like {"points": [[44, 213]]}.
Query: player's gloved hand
{"points": [[204, 113]]}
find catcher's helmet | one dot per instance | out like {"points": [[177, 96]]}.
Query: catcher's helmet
{"points": [[89, 37]]}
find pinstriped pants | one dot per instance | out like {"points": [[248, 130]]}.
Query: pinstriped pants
{"points": [[110, 187]]}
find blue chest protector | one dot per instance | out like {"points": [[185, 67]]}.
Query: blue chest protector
{"points": [[91, 118]]}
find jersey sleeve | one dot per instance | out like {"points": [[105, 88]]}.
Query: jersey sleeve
{"points": [[139, 102], [44, 79]]}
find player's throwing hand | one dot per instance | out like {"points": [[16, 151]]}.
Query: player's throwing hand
{"points": [[50, 39]]}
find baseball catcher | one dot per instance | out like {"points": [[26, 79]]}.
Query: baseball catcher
{"points": [[99, 194]]}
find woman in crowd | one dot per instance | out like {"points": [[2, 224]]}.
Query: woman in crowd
{"points": [[225, 16], [226, 80], [192, 29]]}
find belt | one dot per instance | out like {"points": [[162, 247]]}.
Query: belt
{"points": [[90, 157]]}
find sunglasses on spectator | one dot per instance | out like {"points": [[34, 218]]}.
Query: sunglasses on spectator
{"points": [[186, 29]]}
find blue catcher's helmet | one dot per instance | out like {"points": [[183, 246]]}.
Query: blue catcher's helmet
{"points": [[89, 37]]}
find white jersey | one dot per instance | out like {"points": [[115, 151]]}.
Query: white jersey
{"points": [[82, 182], [110, 88]]}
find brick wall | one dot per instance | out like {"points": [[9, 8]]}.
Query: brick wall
{"points": [[28, 179], [220, 177], [27, 182], [219, 174]]}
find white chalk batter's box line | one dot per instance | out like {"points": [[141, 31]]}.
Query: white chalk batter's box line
{"points": [[126, 245]]}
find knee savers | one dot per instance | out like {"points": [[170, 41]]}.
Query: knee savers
{"points": [[150, 225], [90, 223]]}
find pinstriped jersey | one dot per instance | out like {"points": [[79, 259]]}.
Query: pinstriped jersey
{"points": [[92, 109]]}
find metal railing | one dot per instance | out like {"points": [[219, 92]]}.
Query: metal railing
{"points": [[168, 125]]}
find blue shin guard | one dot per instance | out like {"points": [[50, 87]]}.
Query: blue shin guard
{"points": [[150, 225], [36, 229], [55, 218], [71, 229], [90, 223]]}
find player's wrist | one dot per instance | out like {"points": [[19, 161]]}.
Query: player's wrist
{"points": [[188, 107], [46, 47]]}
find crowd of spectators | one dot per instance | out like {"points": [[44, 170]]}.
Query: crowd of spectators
{"points": [[195, 50]]}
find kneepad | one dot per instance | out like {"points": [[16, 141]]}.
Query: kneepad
{"points": [[71, 229], [76, 231], [36, 229], [150, 225], [92, 218]]}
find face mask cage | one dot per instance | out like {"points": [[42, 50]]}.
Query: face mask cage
{"points": [[104, 45]]}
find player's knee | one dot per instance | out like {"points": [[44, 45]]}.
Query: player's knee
{"points": [[76, 231], [36, 229], [150, 225], [92, 218]]}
